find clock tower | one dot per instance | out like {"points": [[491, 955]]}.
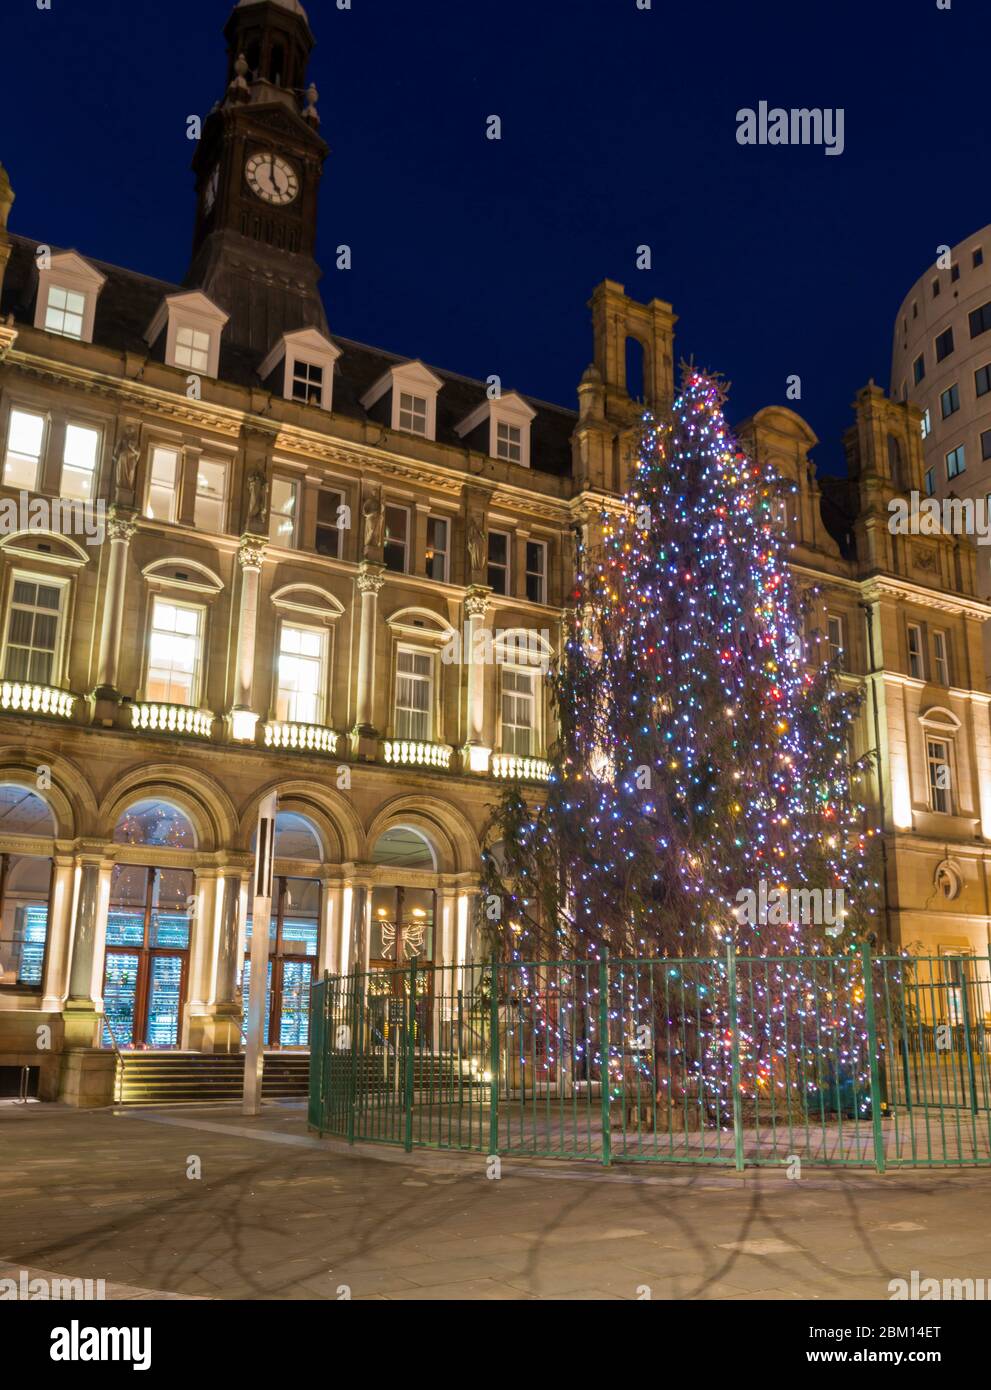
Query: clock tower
{"points": [[258, 167]]}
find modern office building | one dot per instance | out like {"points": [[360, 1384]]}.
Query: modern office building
{"points": [[242, 554]]}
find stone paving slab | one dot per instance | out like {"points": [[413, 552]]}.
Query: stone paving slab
{"points": [[280, 1214]]}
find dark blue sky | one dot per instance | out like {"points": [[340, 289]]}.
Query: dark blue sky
{"points": [[618, 129]]}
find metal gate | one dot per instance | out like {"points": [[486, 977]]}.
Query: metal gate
{"points": [[849, 1060]]}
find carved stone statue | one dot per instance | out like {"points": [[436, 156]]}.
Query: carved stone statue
{"points": [[476, 546], [126, 461], [257, 497], [373, 513]]}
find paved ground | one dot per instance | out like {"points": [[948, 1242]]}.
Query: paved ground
{"points": [[278, 1213]]}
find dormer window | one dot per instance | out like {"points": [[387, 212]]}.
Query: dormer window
{"points": [[412, 413], [301, 368], [192, 349], [193, 327], [501, 427], [405, 398], [307, 383], [68, 288], [509, 442], [65, 311]]}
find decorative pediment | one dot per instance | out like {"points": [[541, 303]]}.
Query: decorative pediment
{"points": [[309, 601], [179, 574]]}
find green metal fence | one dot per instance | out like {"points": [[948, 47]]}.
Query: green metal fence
{"points": [[854, 1060]]}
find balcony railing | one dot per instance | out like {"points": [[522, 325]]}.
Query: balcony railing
{"points": [[512, 767], [172, 719], [409, 753], [311, 738], [36, 699]]}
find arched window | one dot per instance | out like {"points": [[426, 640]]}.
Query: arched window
{"points": [[294, 937], [296, 837], [149, 924], [155, 823], [403, 847], [23, 812], [25, 888]]}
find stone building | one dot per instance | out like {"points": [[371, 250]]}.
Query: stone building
{"points": [[241, 554], [941, 361]]}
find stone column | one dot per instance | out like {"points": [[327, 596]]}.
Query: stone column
{"points": [[364, 736], [243, 717], [476, 753], [201, 949], [120, 530], [216, 1026], [330, 925], [81, 1013], [59, 935]]}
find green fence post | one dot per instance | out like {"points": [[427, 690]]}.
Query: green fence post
{"points": [[968, 1040], [875, 1060], [356, 1014], [604, 1056], [734, 1032], [494, 1059], [409, 1052]]}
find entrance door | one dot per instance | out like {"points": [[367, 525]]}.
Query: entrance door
{"points": [[293, 944], [144, 978], [402, 931]]}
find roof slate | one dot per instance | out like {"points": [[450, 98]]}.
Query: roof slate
{"points": [[129, 301]]}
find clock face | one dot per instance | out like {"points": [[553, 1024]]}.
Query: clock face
{"points": [[210, 191], [271, 178]]}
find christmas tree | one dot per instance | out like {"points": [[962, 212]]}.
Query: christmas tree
{"points": [[703, 775]]}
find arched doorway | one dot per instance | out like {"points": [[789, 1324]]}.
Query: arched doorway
{"points": [[25, 888], [294, 935], [148, 929], [402, 925]]}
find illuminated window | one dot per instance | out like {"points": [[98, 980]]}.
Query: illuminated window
{"points": [[162, 490], [835, 631], [518, 711], [211, 496], [412, 413], [509, 442], [192, 348], [938, 759], [33, 622], [941, 662], [302, 675], [282, 517], [25, 437], [414, 694], [79, 461], [64, 312], [174, 653]]}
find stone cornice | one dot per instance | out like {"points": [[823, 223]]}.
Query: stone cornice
{"points": [[879, 587], [8, 336], [131, 395]]}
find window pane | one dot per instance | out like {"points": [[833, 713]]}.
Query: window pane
{"points": [[282, 519], [161, 505], [24, 440], [79, 462]]}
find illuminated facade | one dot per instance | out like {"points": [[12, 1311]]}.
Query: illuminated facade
{"points": [[303, 538]]}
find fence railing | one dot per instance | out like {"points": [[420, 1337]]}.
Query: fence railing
{"points": [[854, 1060]]}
